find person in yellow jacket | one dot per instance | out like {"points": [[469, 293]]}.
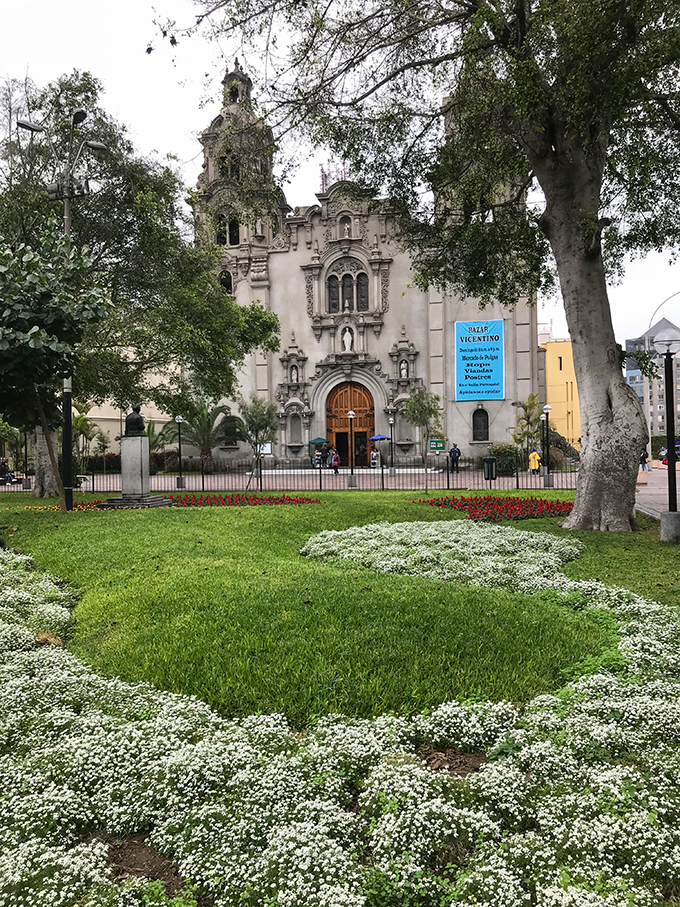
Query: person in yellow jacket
{"points": [[534, 462]]}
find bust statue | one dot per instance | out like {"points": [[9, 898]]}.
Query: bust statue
{"points": [[134, 422]]}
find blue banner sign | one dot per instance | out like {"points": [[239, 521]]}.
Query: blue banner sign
{"points": [[479, 360]]}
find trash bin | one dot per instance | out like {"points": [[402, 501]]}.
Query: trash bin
{"points": [[489, 468]]}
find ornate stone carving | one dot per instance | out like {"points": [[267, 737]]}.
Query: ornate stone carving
{"points": [[385, 289], [347, 265], [309, 293], [260, 269], [281, 242]]}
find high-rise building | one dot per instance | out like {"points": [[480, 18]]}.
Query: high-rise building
{"points": [[651, 391]]}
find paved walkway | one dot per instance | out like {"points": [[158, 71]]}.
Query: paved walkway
{"points": [[652, 498]]}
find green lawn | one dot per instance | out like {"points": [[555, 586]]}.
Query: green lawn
{"points": [[218, 603]]}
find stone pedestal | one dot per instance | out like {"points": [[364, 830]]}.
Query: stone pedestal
{"points": [[134, 466], [670, 527], [134, 474]]}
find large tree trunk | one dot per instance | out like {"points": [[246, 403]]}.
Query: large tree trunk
{"points": [[45, 484], [613, 428]]}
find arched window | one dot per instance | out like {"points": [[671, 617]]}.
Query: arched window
{"points": [[362, 293], [234, 232], [345, 228], [226, 281], [221, 230], [333, 295], [347, 293], [480, 425], [295, 429]]}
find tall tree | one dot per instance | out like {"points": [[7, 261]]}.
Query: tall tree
{"points": [[169, 315], [258, 425], [512, 136], [423, 410], [47, 302]]}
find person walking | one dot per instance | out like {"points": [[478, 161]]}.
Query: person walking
{"points": [[534, 462], [644, 462], [335, 460], [454, 456]]}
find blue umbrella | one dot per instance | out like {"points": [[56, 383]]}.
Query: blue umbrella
{"points": [[379, 438]]}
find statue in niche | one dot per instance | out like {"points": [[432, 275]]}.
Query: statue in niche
{"points": [[134, 422], [293, 374], [403, 369], [346, 230], [347, 340]]}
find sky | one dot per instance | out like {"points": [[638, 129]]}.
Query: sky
{"points": [[166, 100]]}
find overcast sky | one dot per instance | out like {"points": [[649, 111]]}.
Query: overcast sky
{"points": [[165, 103]]}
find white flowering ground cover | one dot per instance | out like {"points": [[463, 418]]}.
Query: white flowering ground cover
{"points": [[579, 805]]}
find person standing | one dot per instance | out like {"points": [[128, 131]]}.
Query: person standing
{"points": [[534, 462], [454, 456], [335, 460]]}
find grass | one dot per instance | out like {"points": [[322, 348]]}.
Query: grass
{"points": [[218, 603]]}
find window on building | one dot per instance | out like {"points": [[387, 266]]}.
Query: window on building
{"points": [[347, 293], [362, 293], [480, 425], [226, 281], [560, 361], [221, 230], [234, 232], [333, 294]]}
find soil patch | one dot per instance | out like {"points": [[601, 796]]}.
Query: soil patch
{"points": [[451, 760], [132, 856]]}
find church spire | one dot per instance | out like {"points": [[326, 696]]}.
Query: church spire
{"points": [[237, 86]]}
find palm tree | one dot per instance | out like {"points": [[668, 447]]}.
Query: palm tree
{"points": [[84, 432], [206, 427]]}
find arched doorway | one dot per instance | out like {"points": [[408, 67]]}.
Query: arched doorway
{"points": [[342, 399]]}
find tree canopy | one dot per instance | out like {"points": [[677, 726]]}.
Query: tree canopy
{"points": [[169, 316], [517, 141]]}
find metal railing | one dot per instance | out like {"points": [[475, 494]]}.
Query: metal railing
{"points": [[438, 474]]}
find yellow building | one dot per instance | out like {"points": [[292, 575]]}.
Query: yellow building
{"points": [[561, 390]]}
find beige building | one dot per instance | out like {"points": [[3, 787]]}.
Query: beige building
{"points": [[357, 334], [561, 391]]}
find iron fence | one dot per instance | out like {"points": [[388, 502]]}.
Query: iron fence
{"points": [[437, 475]]}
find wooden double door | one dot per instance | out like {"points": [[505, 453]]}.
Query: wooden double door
{"points": [[341, 400]]}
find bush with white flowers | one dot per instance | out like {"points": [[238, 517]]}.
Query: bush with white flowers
{"points": [[579, 805]]}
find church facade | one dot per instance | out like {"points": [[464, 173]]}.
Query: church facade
{"points": [[357, 334]]}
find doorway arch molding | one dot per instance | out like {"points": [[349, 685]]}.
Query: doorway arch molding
{"points": [[325, 384]]}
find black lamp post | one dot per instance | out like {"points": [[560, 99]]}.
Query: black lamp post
{"points": [[667, 344], [391, 421], [65, 189], [180, 477], [351, 479], [547, 478], [543, 421]]}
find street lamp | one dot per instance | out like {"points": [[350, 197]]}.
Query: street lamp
{"points": [[66, 188], [180, 477], [351, 478], [391, 421], [547, 478], [667, 344]]}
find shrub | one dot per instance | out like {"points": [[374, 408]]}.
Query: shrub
{"points": [[506, 458]]}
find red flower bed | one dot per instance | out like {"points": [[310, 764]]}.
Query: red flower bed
{"points": [[495, 509], [237, 500]]}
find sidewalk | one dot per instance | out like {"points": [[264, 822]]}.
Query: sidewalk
{"points": [[652, 498]]}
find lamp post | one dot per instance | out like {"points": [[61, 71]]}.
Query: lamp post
{"points": [[667, 344], [543, 420], [547, 478], [180, 477], [391, 421], [351, 478], [66, 188]]}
